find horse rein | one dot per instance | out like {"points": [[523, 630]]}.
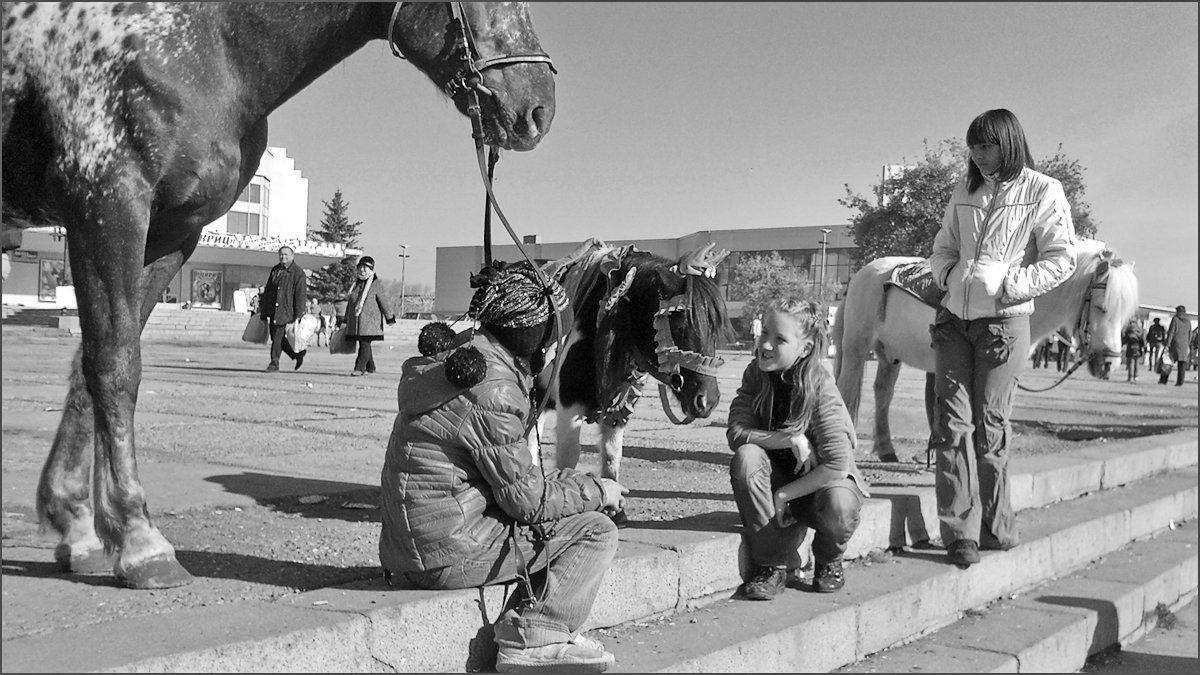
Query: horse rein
{"points": [[1083, 327]]}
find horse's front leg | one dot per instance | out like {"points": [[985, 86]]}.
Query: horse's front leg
{"points": [[115, 292], [568, 426], [611, 446], [886, 374]]}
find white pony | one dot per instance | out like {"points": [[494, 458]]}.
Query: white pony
{"points": [[1094, 303]]}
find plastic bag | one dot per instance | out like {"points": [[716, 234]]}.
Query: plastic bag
{"points": [[256, 330], [338, 344], [300, 331]]}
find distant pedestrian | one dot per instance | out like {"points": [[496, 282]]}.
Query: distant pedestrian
{"points": [[1156, 340], [756, 327], [1133, 341], [284, 300], [793, 454], [1179, 348], [366, 310], [1064, 344]]}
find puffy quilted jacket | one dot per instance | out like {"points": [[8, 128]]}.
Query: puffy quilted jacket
{"points": [[1004, 245], [458, 469]]}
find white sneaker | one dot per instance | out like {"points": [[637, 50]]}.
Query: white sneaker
{"points": [[580, 655]]}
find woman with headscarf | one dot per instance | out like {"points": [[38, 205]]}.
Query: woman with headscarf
{"points": [[366, 310], [464, 502]]}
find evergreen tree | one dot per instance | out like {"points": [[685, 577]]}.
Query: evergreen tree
{"points": [[332, 282]]}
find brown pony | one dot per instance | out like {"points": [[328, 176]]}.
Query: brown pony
{"points": [[133, 125]]}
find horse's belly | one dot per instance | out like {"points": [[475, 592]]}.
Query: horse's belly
{"points": [[904, 333]]}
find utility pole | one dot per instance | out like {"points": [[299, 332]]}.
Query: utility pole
{"points": [[403, 258], [824, 243]]}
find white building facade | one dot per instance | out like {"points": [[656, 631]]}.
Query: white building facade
{"points": [[231, 262]]}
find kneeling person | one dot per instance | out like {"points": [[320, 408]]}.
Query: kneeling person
{"points": [[793, 465], [460, 487]]}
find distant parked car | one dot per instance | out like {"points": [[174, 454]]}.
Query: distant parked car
{"points": [[421, 316]]}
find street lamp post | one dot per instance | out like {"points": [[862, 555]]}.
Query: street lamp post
{"points": [[403, 258], [824, 242]]}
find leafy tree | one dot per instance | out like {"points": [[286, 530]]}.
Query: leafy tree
{"points": [[759, 280], [331, 282], [907, 211], [1070, 173]]}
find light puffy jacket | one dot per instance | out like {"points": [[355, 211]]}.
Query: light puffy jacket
{"points": [[1003, 246], [458, 469]]}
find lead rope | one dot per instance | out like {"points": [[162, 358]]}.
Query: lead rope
{"points": [[472, 83]]}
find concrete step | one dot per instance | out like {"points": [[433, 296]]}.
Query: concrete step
{"points": [[901, 597], [664, 569], [1055, 627]]}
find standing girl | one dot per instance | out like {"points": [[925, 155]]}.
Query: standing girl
{"points": [[366, 310], [793, 454], [1006, 238]]}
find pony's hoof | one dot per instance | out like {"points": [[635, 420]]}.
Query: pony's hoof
{"points": [[91, 561], [889, 457], [163, 572]]}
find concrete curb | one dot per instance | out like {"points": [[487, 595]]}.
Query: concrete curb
{"points": [[913, 595], [1057, 626], [368, 627]]}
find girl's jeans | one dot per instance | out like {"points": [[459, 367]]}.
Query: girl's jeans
{"points": [[977, 366], [572, 565], [833, 512]]}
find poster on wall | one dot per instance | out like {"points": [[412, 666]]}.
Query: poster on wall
{"points": [[206, 289], [53, 275]]}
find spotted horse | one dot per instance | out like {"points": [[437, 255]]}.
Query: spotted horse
{"points": [[133, 125]]}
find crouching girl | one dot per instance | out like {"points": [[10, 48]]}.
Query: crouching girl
{"points": [[793, 464]]}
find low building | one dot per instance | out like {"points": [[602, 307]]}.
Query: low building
{"points": [[800, 247], [234, 256]]}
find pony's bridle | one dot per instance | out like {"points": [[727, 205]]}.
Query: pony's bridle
{"points": [[1098, 285]]}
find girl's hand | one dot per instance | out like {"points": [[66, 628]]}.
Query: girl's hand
{"points": [[802, 450], [783, 515]]}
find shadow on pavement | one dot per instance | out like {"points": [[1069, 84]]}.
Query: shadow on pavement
{"points": [[713, 521], [666, 455], [308, 497]]}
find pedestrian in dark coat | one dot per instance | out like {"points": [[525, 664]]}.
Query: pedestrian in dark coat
{"points": [[1179, 346], [366, 310], [284, 300]]}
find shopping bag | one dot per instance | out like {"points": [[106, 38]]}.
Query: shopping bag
{"points": [[1165, 365], [256, 330], [338, 344], [300, 331]]}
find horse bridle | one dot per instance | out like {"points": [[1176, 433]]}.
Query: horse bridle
{"points": [[469, 77], [1083, 326]]}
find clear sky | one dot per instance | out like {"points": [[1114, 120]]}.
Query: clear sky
{"points": [[678, 117]]}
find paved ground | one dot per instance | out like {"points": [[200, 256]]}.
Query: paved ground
{"points": [[267, 484]]}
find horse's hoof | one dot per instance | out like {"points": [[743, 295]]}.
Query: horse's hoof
{"points": [[889, 457], [162, 572], [91, 561]]}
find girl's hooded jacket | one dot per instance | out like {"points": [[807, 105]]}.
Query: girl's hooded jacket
{"points": [[458, 470], [1003, 246]]}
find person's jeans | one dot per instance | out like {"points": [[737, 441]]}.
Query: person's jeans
{"points": [[566, 572], [977, 364], [365, 362], [279, 343], [833, 512]]}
